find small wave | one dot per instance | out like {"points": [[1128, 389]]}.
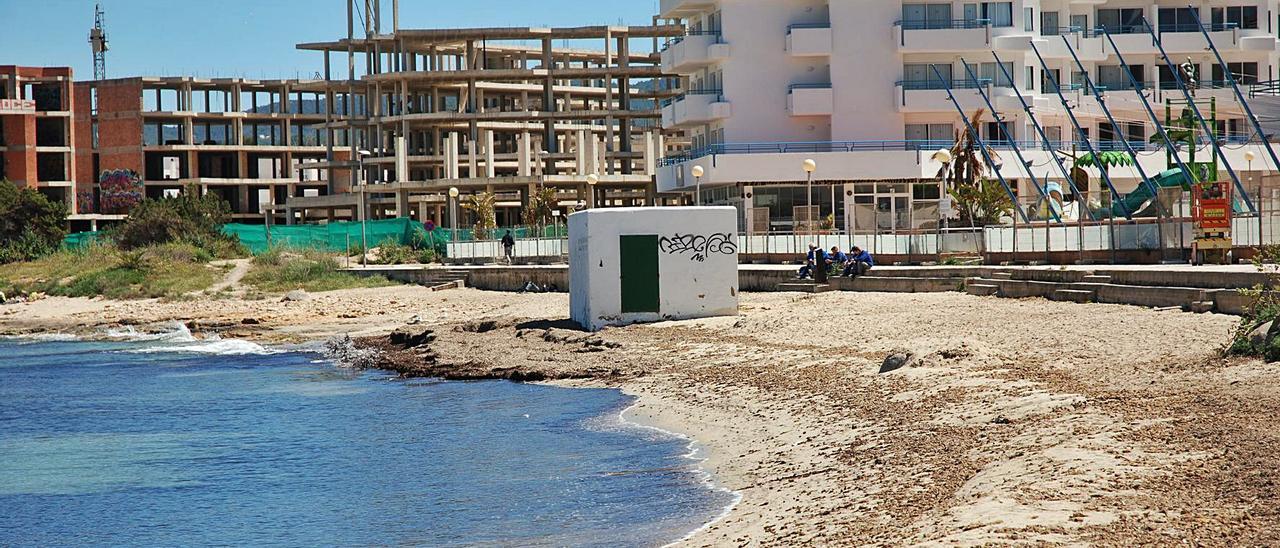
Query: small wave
{"points": [[212, 346], [33, 338], [177, 332]]}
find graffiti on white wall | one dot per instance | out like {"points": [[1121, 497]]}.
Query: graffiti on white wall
{"points": [[699, 246]]}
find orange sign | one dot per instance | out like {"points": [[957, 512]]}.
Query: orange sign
{"points": [[1213, 207]]}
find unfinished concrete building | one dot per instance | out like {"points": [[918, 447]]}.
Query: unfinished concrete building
{"points": [[501, 110], [250, 142]]}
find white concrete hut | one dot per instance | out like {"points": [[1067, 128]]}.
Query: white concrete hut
{"points": [[630, 265]]}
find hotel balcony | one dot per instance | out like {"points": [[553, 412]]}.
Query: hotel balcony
{"points": [[932, 35], [696, 50], [931, 96], [809, 40], [811, 100], [695, 107], [1059, 45]]}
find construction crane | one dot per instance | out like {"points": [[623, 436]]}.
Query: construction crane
{"points": [[98, 42]]}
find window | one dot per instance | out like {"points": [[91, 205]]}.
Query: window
{"points": [[929, 132], [923, 76], [1179, 20], [994, 132], [1113, 77], [1049, 23], [1049, 80], [1244, 73], [1079, 22], [999, 78], [1122, 21], [926, 16], [1028, 19], [1029, 82], [1054, 134], [1245, 17], [999, 13]]}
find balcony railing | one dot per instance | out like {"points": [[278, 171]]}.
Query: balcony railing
{"points": [[808, 26], [679, 39], [940, 24], [719, 93], [936, 84], [794, 87], [1192, 27]]}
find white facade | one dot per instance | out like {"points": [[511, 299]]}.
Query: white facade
{"points": [[851, 83], [679, 263]]}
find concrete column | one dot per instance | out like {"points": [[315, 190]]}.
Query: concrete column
{"points": [[490, 170], [624, 99], [523, 152], [402, 204], [548, 99]]}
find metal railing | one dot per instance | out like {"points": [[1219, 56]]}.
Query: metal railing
{"points": [[907, 145], [679, 39], [936, 84], [942, 24], [794, 87], [719, 93]]}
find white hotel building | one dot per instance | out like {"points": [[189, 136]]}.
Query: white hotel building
{"points": [[849, 84]]}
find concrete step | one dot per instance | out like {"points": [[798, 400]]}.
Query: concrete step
{"points": [[1073, 295], [1096, 279], [1002, 275], [897, 284], [804, 287], [982, 289], [1201, 307], [450, 285]]}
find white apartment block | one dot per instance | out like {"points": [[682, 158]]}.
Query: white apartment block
{"points": [[852, 85]]}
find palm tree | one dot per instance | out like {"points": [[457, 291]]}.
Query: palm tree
{"points": [[979, 200], [538, 211], [482, 204]]}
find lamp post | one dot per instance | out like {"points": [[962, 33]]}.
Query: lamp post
{"points": [[592, 179], [364, 208], [698, 172], [1248, 157], [453, 211], [809, 167], [943, 156]]}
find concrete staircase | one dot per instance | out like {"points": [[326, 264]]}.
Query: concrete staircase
{"points": [[1188, 290], [445, 278]]}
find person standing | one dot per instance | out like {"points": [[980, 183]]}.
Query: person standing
{"points": [[509, 246]]}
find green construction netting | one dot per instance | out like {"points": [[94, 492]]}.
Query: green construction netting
{"points": [[338, 237], [80, 239]]}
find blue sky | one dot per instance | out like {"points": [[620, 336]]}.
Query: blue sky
{"points": [[251, 38]]}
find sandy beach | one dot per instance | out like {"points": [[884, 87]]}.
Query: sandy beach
{"points": [[1010, 421]]}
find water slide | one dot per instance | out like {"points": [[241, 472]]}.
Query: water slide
{"points": [[1140, 201]]}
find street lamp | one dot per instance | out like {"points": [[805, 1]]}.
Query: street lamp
{"points": [[810, 166], [1248, 157], [453, 211], [364, 208], [698, 172], [592, 179]]}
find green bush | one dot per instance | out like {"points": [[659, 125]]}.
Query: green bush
{"points": [[393, 252], [31, 226], [188, 217]]}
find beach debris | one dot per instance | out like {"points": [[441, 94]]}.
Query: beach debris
{"points": [[344, 352], [3, 298], [415, 320], [410, 338], [1001, 419], [296, 295], [250, 321], [896, 360]]}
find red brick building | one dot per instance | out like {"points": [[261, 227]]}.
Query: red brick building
{"points": [[37, 136]]}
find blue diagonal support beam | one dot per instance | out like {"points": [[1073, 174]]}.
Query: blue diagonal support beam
{"points": [[1195, 110], [1044, 138], [1083, 136], [1102, 103], [1017, 151], [982, 146]]}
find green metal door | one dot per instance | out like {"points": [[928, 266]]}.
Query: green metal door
{"points": [[639, 273]]}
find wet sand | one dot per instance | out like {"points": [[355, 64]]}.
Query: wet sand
{"points": [[1013, 421]]}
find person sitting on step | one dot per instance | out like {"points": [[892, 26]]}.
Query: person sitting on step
{"points": [[859, 262]]}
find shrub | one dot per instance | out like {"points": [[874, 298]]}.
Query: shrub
{"points": [[188, 217], [279, 270], [393, 252], [31, 226], [1265, 307]]}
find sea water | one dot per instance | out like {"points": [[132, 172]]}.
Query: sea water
{"points": [[169, 441]]}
